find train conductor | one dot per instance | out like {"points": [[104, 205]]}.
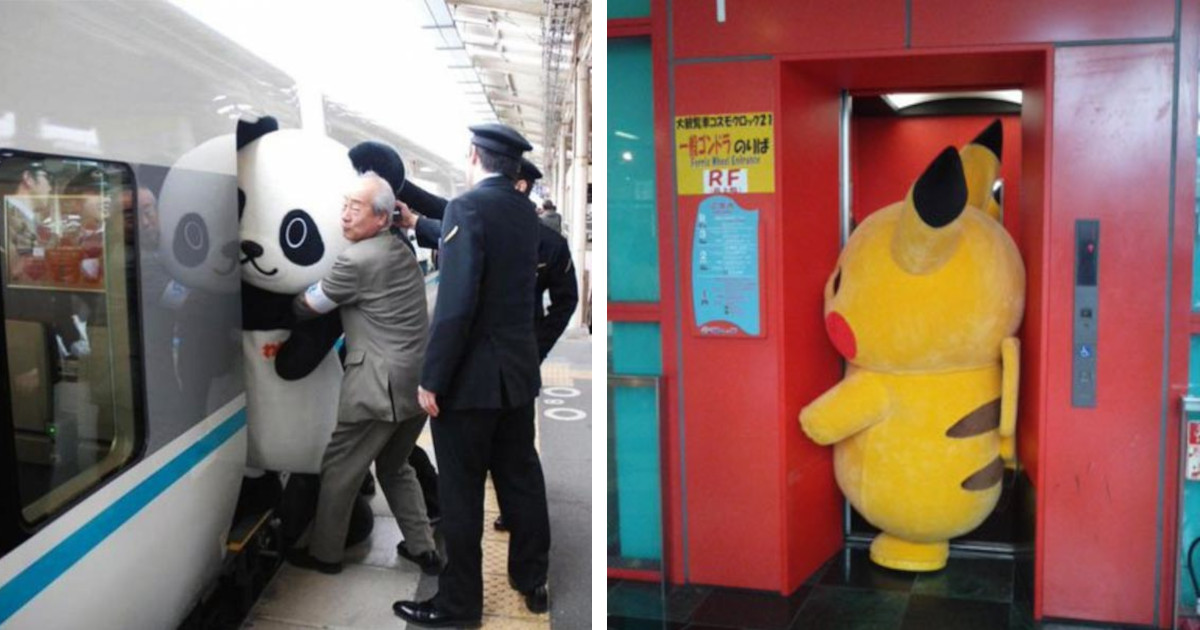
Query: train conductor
{"points": [[479, 383], [555, 270]]}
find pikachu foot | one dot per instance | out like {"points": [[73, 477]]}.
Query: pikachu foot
{"points": [[897, 553]]}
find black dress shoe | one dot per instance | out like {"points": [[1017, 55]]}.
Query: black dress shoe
{"points": [[499, 524], [431, 561], [426, 614], [537, 599], [301, 558]]}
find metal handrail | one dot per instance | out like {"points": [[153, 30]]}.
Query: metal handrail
{"points": [[1191, 404], [634, 380]]}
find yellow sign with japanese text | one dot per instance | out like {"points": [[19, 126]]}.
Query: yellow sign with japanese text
{"points": [[725, 153]]}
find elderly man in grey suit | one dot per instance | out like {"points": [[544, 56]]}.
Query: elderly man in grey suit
{"points": [[379, 290]]}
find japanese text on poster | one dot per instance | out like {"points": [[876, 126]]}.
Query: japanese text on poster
{"points": [[725, 269], [725, 153], [55, 241]]}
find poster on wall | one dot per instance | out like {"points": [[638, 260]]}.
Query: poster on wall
{"points": [[54, 242], [726, 298], [725, 153], [1192, 472]]}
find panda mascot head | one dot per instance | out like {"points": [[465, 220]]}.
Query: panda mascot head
{"points": [[291, 186], [198, 237]]}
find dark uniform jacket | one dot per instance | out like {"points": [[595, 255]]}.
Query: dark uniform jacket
{"points": [[482, 347], [555, 272]]}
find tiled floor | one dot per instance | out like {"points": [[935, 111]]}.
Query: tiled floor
{"points": [[848, 593]]}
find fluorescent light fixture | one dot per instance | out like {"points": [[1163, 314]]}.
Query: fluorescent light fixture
{"points": [[902, 100], [626, 135]]}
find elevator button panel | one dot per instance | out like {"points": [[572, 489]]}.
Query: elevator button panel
{"points": [[1084, 332]]}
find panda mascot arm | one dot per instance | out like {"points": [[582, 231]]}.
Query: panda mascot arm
{"points": [[423, 201], [307, 346]]}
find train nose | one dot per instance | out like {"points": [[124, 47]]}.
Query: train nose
{"points": [[841, 335], [251, 249]]}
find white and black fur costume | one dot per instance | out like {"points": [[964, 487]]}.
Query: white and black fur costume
{"points": [[290, 193]]}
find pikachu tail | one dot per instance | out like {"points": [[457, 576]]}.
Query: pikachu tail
{"points": [[981, 165]]}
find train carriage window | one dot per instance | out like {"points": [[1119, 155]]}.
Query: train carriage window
{"points": [[67, 271]]}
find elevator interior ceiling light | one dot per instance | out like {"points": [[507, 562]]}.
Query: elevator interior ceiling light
{"points": [[902, 100]]}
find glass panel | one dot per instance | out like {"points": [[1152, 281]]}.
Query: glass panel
{"points": [[65, 277], [1187, 604], [632, 222], [634, 473], [628, 8]]}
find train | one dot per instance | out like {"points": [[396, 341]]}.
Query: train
{"points": [[123, 430]]}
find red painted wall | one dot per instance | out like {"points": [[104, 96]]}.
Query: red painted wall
{"points": [[939, 23], [808, 197], [891, 152], [1100, 467], [756, 27], [731, 386]]}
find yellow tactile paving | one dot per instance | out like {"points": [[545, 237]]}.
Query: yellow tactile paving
{"points": [[557, 374], [500, 600], [509, 623], [503, 607]]}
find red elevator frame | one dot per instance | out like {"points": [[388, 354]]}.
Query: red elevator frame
{"points": [[1107, 132]]}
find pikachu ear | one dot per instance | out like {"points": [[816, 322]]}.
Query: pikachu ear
{"points": [[927, 233], [981, 164]]}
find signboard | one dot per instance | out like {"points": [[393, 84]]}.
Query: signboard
{"points": [[54, 242], [725, 153], [1192, 472], [725, 269]]}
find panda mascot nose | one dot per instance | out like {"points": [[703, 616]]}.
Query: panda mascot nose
{"points": [[252, 249]]}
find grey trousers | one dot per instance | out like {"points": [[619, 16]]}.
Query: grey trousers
{"points": [[349, 454]]}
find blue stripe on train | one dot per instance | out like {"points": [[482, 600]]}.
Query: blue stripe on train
{"points": [[33, 580]]}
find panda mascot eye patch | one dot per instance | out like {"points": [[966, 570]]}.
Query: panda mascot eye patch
{"points": [[190, 245], [300, 239]]}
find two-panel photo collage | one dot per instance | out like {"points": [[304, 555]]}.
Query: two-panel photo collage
{"points": [[755, 315]]}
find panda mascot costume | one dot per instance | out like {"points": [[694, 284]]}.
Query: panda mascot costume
{"points": [[290, 193]]}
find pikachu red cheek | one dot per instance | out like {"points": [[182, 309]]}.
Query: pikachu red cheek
{"points": [[841, 334]]}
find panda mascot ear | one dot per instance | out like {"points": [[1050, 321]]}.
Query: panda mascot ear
{"points": [[248, 132], [381, 158]]}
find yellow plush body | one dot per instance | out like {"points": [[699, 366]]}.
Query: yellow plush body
{"points": [[925, 416]]}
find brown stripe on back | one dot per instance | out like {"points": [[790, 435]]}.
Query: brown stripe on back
{"points": [[978, 422], [985, 477]]}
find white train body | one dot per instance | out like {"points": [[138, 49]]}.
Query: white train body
{"points": [[134, 530]]}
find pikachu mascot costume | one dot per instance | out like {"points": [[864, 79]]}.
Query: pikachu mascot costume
{"points": [[923, 304]]}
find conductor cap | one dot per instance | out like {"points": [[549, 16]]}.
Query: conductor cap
{"points": [[500, 139], [529, 172]]}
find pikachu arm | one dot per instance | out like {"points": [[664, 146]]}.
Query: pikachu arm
{"points": [[854, 404], [1010, 360]]}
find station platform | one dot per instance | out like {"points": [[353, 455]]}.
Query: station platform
{"points": [[361, 596]]}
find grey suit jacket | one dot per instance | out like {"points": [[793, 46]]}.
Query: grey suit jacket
{"points": [[380, 292]]}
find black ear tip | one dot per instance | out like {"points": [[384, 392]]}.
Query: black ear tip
{"points": [[381, 158], [940, 193], [992, 138], [248, 132]]}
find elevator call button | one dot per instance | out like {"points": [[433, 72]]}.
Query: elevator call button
{"points": [[1085, 332]]}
